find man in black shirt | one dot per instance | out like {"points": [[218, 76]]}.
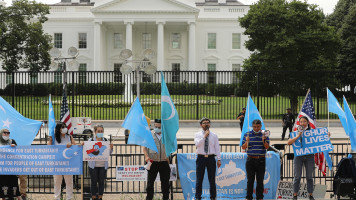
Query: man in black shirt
{"points": [[287, 122], [241, 117]]}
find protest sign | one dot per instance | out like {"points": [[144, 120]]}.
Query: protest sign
{"points": [[139, 173], [285, 190], [41, 160], [96, 151]]}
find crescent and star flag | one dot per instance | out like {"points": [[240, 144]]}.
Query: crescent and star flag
{"points": [[65, 115], [169, 121], [250, 115], [334, 107], [351, 124], [51, 120], [22, 129], [136, 122], [309, 112]]}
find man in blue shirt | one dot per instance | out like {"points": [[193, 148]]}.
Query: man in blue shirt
{"points": [[256, 144]]}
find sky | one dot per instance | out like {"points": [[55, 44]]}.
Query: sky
{"points": [[327, 5]]}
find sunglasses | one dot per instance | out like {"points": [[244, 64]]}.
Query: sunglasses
{"points": [[8, 133]]}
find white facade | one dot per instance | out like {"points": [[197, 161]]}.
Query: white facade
{"points": [[177, 30]]}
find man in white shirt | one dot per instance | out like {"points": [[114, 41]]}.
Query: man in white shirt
{"points": [[207, 144]]}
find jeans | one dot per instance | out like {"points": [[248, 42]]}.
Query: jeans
{"points": [[255, 167], [97, 177], [210, 164], [308, 162], [287, 126], [164, 174]]}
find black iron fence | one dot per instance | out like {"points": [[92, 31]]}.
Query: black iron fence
{"points": [[219, 95]]}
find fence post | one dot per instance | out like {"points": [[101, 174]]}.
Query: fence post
{"points": [[258, 92], [73, 95], [13, 88], [197, 96]]}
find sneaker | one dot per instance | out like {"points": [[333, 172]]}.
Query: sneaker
{"points": [[311, 198], [295, 197]]}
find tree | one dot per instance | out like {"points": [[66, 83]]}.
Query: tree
{"points": [[23, 44], [343, 19], [292, 38]]}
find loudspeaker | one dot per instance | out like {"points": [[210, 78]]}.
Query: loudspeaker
{"points": [[344, 186]]}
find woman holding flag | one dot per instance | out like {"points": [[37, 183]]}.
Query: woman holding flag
{"points": [[62, 138], [299, 161]]}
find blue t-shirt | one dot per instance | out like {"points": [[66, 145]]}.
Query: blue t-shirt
{"points": [[255, 146]]}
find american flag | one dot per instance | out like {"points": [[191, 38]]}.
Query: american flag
{"points": [[65, 115], [309, 112]]}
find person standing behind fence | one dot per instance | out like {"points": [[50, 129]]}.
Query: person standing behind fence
{"points": [[256, 144], [208, 147], [241, 117], [160, 163], [9, 187], [62, 138], [287, 122], [98, 169], [299, 161]]}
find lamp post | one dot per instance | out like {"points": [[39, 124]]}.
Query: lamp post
{"points": [[143, 63], [57, 59]]}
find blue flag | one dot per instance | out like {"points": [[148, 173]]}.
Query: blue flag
{"points": [[136, 122], [250, 115], [334, 107], [351, 125], [22, 129], [170, 119], [51, 120]]}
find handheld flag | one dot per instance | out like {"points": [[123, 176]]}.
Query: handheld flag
{"points": [[351, 124], [334, 107], [136, 122], [170, 119], [22, 129], [65, 115], [51, 120], [250, 115]]}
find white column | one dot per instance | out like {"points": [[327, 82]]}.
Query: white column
{"points": [[160, 45], [128, 96], [128, 34], [191, 47], [97, 46]]}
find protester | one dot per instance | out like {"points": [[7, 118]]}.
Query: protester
{"points": [[299, 161], [9, 187], [287, 122], [160, 163], [241, 117], [62, 138], [256, 144], [98, 169], [207, 145]]}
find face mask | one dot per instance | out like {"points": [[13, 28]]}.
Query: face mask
{"points": [[157, 130], [64, 130], [257, 131], [99, 135], [6, 138]]}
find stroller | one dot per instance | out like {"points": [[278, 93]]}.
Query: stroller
{"points": [[345, 179]]}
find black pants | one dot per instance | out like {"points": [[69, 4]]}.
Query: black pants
{"points": [[290, 126], [255, 168], [241, 125], [164, 173], [210, 164]]}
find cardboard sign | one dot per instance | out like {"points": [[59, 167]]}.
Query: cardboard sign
{"points": [[96, 151], [285, 190]]}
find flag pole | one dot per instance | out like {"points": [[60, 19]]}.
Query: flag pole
{"points": [[348, 141], [327, 101]]}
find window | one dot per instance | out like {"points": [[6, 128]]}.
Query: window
{"points": [[212, 73], [117, 73], [33, 77], [84, 1], [82, 73], [147, 40], [118, 41], [236, 41], [175, 72], [235, 75], [82, 41], [58, 40], [8, 78], [211, 40], [58, 75], [175, 40]]}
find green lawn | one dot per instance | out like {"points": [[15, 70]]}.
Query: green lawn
{"points": [[101, 107]]}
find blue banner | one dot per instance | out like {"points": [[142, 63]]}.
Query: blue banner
{"points": [[231, 178], [41, 160], [312, 141]]}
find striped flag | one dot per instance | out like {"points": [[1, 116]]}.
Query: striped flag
{"points": [[309, 112], [65, 115]]}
